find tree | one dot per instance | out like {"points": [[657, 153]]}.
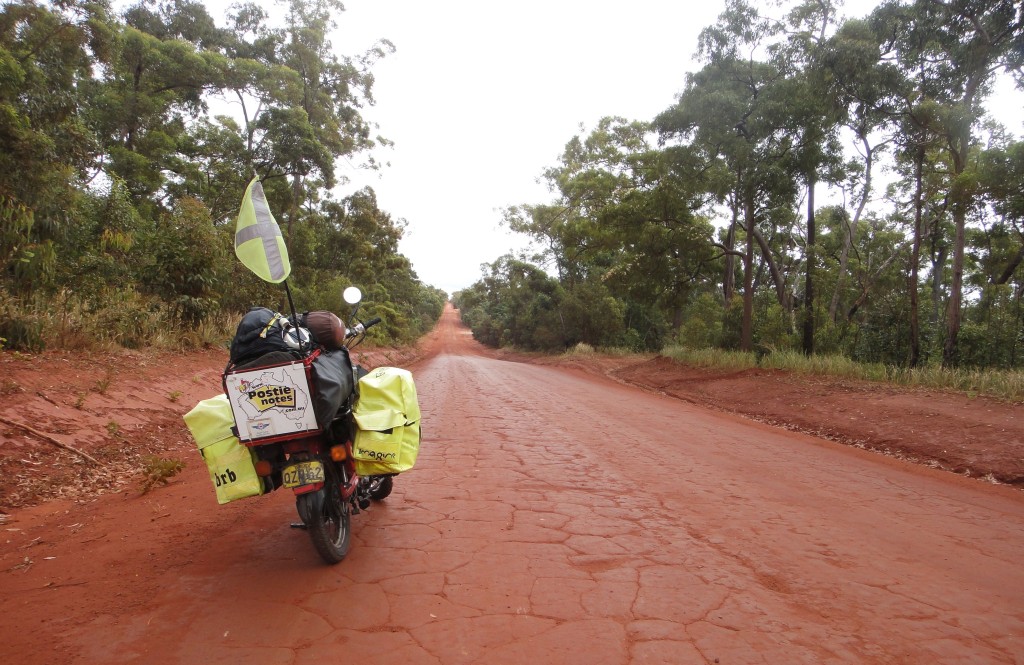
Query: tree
{"points": [[958, 45], [816, 116], [189, 259], [145, 100], [735, 111], [300, 102], [46, 146]]}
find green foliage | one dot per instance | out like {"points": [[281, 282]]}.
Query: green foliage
{"points": [[118, 191], [702, 323], [590, 314], [20, 327], [189, 262]]}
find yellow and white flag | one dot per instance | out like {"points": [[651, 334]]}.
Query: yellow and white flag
{"points": [[258, 240]]}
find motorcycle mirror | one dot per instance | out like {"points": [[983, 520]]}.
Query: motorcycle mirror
{"points": [[352, 295]]}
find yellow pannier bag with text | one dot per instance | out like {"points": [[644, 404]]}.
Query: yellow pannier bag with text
{"points": [[231, 464], [388, 419]]}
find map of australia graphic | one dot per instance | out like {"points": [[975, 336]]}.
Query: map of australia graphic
{"points": [[272, 391]]}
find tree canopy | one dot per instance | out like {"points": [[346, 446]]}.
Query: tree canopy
{"points": [[703, 226], [126, 143]]}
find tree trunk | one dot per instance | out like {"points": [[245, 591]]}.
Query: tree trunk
{"points": [[293, 213], [747, 331], [953, 310], [844, 256], [809, 286], [938, 261], [915, 262], [677, 319], [870, 282], [781, 293], [729, 278], [961, 200]]}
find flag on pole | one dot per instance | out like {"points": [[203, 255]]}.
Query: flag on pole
{"points": [[258, 241]]}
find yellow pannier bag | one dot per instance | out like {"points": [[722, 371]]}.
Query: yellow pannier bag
{"points": [[388, 419], [231, 465]]}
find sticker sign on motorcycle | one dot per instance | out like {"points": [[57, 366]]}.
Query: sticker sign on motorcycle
{"points": [[271, 401]]}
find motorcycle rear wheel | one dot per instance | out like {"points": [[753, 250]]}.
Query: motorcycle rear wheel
{"points": [[328, 526]]}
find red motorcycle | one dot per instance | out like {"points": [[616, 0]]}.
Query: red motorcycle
{"points": [[289, 418], [292, 415]]}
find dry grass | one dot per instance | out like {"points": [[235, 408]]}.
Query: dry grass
{"points": [[158, 470], [1007, 385]]}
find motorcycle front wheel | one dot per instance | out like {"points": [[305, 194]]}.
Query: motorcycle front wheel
{"points": [[328, 523]]}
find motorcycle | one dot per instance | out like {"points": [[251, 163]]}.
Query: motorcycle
{"points": [[312, 457], [292, 415]]}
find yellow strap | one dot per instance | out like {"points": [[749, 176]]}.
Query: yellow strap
{"points": [[263, 335]]}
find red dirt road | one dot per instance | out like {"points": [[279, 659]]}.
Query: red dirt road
{"points": [[554, 516]]}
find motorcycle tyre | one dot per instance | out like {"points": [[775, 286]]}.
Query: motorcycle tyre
{"points": [[380, 487], [330, 535]]}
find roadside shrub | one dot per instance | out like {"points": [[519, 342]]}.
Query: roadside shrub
{"points": [[22, 333], [188, 261], [581, 349], [21, 328], [702, 323]]}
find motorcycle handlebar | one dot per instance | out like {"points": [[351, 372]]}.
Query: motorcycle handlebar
{"points": [[361, 327]]}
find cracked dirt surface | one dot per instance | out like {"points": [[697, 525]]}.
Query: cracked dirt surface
{"points": [[555, 515]]}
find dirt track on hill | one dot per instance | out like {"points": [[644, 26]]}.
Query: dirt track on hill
{"points": [[556, 514]]}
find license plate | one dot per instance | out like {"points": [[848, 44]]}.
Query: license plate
{"points": [[303, 473]]}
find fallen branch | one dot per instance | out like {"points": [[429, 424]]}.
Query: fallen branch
{"points": [[40, 393], [54, 585], [47, 437]]}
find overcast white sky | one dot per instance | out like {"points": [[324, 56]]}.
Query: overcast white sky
{"points": [[480, 97]]}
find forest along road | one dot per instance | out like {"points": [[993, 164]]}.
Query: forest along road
{"points": [[552, 517]]}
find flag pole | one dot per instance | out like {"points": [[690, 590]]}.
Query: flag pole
{"points": [[295, 317], [291, 303]]}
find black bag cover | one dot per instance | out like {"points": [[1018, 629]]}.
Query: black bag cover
{"points": [[250, 342], [332, 376]]}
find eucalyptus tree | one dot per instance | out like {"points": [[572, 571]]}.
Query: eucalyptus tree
{"points": [[47, 149], [1001, 179], [734, 112], [815, 117], [866, 85], [911, 119], [522, 307], [664, 243], [623, 225], [584, 250], [594, 172], [957, 46], [300, 102], [142, 103], [995, 248]]}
